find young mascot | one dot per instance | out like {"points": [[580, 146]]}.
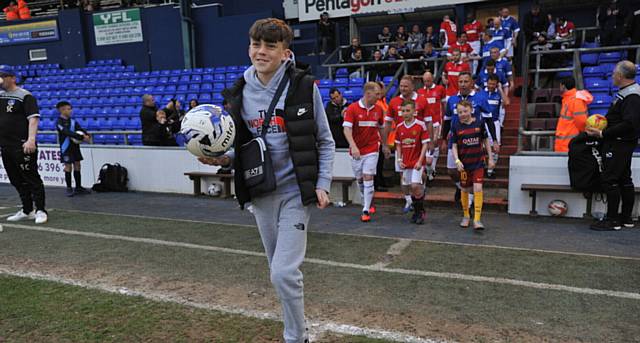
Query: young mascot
{"points": [[70, 134], [301, 148], [469, 136], [412, 140]]}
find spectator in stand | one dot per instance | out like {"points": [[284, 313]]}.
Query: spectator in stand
{"points": [[551, 28], [327, 32], [428, 53], [573, 115], [611, 24], [377, 71], [452, 70], [416, 38], [385, 36], [156, 131], [403, 50], [192, 103], [510, 24], [354, 71], [462, 45], [335, 114], [448, 32], [349, 52], [565, 29], [23, 10], [174, 114], [392, 54], [535, 24], [473, 29], [11, 11], [401, 34], [430, 37]]}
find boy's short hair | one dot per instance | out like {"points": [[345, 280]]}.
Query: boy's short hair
{"points": [[465, 103], [62, 104], [493, 77], [407, 102], [271, 30], [370, 86]]}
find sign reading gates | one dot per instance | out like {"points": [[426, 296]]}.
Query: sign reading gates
{"points": [[311, 9], [49, 166], [39, 31], [117, 27]]}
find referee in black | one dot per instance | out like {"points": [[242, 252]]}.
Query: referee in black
{"points": [[619, 140], [19, 118]]}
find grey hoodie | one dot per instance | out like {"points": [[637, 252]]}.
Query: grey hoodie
{"points": [[256, 98]]}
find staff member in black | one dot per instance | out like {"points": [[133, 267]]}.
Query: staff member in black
{"points": [[19, 118], [620, 139]]}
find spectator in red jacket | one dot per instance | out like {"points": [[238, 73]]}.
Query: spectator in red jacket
{"points": [[23, 10], [11, 11]]}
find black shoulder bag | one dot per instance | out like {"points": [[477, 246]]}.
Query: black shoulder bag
{"points": [[255, 159]]}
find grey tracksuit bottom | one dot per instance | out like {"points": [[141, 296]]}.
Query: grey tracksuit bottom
{"points": [[282, 221]]}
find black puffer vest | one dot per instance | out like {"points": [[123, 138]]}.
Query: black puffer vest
{"points": [[301, 131]]}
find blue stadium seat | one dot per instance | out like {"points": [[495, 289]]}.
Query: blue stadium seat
{"points": [[610, 56], [206, 87], [92, 124], [220, 70], [185, 78], [324, 92], [325, 83], [105, 124], [340, 82], [232, 69], [356, 81], [204, 98], [182, 89], [589, 59], [607, 69], [231, 76], [593, 71], [217, 98], [134, 139], [597, 84], [219, 77], [196, 78], [134, 124], [100, 139], [218, 87], [194, 87], [207, 78], [191, 96], [342, 72]]}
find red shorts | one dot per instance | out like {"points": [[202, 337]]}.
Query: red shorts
{"points": [[469, 177]]}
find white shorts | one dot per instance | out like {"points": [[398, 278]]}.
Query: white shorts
{"points": [[398, 169], [475, 46], [410, 176], [366, 165], [496, 123], [451, 161], [508, 46]]}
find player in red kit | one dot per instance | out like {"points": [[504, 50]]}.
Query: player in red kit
{"points": [[395, 115], [452, 71], [412, 141], [448, 32], [363, 121], [461, 44], [436, 101], [473, 29]]}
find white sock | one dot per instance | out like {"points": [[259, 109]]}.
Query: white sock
{"points": [[407, 199], [368, 195], [436, 154], [361, 186], [470, 199]]}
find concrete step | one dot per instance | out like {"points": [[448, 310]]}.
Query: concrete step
{"points": [[494, 199]]}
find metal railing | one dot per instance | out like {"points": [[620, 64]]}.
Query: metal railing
{"points": [[575, 69]]}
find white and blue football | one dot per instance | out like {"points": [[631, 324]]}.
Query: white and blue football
{"points": [[208, 131]]}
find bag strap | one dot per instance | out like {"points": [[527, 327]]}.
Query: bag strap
{"points": [[274, 102]]}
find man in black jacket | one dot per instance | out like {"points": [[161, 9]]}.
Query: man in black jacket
{"points": [[535, 24], [620, 139], [148, 118], [335, 114], [157, 128]]}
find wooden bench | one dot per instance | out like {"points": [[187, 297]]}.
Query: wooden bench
{"points": [[197, 177], [345, 182], [533, 189]]}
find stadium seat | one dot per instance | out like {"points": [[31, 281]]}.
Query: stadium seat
{"points": [[100, 139], [563, 74], [597, 84], [220, 70], [324, 92], [607, 69], [540, 95], [340, 82], [588, 59], [204, 97], [207, 78], [551, 124], [232, 69], [356, 81], [342, 72], [536, 124], [325, 83], [134, 124], [196, 78], [134, 139], [218, 87], [610, 56], [592, 71], [206, 87], [545, 110], [194, 87]]}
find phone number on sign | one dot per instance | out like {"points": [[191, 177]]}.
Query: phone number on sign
{"points": [[49, 167]]}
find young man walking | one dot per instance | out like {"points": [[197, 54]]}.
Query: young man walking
{"points": [[301, 149]]}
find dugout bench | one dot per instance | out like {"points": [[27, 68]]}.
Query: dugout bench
{"points": [[533, 189], [196, 177]]}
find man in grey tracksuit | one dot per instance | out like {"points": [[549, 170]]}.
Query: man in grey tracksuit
{"points": [[301, 148]]}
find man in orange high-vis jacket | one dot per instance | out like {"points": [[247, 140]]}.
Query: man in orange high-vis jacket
{"points": [[573, 114]]}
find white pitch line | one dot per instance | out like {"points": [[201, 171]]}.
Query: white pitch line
{"points": [[316, 327], [442, 275], [253, 227], [394, 250]]}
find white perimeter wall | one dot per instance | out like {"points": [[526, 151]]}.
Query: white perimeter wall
{"points": [[151, 169], [551, 170]]}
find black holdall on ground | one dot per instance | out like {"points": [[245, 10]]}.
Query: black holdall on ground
{"points": [[112, 178], [585, 163], [257, 168]]}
